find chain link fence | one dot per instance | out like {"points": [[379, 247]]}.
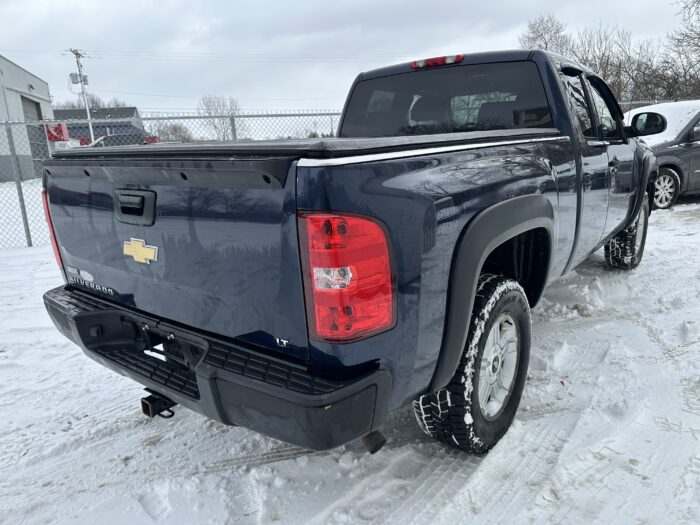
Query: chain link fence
{"points": [[25, 145]]}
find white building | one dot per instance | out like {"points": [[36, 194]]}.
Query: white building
{"points": [[24, 97]]}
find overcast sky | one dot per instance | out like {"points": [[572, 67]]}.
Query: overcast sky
{"points": [[164, 55]]}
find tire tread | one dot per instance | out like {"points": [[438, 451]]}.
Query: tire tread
{"points": [[445, 415], [620, 251]]}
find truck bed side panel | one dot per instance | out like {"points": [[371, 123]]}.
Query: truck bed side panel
{"points": [[426, 202]]}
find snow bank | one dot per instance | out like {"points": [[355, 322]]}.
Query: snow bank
{"points": [[608, 431]]}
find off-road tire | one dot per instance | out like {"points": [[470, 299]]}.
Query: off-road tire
{"points": [[667, 190], [453, 415], [625, 250]]}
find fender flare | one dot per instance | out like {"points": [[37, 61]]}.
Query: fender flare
{"points": [[646, 185], [488, 230]]}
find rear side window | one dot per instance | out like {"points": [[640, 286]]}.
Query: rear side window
{"points": [[478, 97]]}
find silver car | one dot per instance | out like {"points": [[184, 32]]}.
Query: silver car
{"points": [[677, 147]]}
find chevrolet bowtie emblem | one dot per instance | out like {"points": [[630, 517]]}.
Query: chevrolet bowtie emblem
{"points": [[141, 252]]}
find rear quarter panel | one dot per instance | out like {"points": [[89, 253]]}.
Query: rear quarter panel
{"points": [[426, 202]]}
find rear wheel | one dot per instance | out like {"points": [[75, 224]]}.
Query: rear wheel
{"points": [[478, 405], [666, 189]]}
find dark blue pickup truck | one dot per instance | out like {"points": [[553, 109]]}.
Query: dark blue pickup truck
{"points": [[307, 288]]}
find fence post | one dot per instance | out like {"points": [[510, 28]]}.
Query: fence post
{"points": [[14, 162], [233, 128]]}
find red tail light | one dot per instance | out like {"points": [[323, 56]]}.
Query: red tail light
{"points": [[347, 276], [52, 234], [437, 61]]}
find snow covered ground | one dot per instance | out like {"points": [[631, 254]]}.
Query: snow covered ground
{"points": [[608, 431]]}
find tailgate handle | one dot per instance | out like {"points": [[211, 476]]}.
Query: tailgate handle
{"points": [[131, 204], [135, 206]]}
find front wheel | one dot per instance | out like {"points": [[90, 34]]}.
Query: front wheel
{"points": [[479, 403], [666, 189], [625, 250]]}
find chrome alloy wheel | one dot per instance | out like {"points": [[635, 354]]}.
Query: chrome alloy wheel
{"points": [[665, 190], [499, 365]]}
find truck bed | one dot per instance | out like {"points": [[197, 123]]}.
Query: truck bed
{"points": [[326, 148]]}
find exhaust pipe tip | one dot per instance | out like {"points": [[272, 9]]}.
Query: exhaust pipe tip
{"points": [[373, 441]]}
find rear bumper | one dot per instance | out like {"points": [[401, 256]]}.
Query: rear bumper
{"points": [[221, 379]]}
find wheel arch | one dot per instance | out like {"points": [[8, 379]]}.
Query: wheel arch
{"points": [[674, 159], [674, 167], [488, 230]]}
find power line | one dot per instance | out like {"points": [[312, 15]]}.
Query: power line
{"points": [[197, 98], [214, 56]]}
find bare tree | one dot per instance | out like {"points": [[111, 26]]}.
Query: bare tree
{"points": [[635, 70], [690, 9], [171, 131], [548, 33], [641, 69], [684, 43], [220, 112], [602, 49], [94, 101], [114, 102]]}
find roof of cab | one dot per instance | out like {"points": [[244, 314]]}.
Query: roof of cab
{"points": [[487, 57]]}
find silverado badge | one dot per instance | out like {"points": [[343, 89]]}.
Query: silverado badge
{"points": [[141, 252]]}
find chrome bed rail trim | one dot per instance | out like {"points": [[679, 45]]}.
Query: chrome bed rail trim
{"points": [[374, 157]]}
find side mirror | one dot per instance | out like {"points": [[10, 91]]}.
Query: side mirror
{"points": [[648, 124], [693, 136]]}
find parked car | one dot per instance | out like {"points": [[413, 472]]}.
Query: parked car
{"points": [[307, 288], [677, 147]]}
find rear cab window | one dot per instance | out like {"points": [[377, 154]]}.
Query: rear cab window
{"points": [[476, 97]]}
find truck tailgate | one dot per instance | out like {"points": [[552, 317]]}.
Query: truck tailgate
{"points": [[207, 242]]}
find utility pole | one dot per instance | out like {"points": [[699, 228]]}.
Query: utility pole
{"points": [[81, 78]]}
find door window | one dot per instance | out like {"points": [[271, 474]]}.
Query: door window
{"points": [[577, 94], [607, 123]]}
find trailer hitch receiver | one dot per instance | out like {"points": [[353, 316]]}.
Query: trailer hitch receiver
{"points": [[157, 405]]}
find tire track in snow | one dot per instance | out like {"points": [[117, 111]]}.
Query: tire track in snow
{"points": [[486, 497]]}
